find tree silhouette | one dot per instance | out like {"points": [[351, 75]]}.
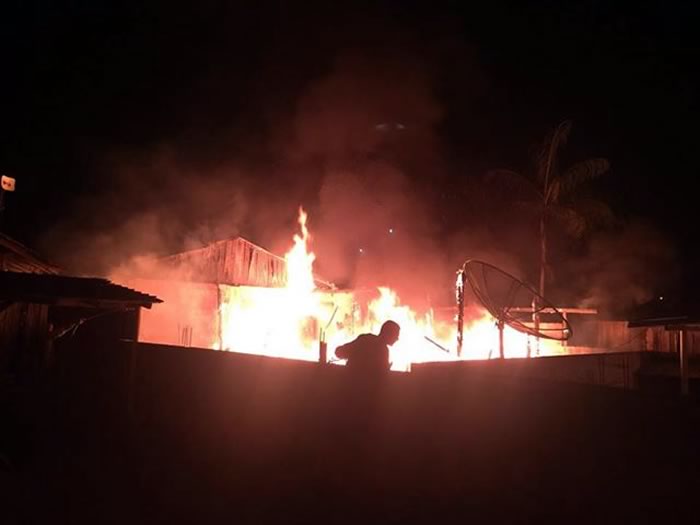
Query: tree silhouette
{"points": [[553, 193]]}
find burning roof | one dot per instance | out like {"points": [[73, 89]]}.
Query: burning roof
{"points": [[235, 296], [234, 262]]}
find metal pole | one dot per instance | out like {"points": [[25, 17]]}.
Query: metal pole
{"points": [[536, 322], [460, 311], [501, 349], [2, 205], [684, 362]]}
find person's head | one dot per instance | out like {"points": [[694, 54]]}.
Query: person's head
{"points": [[389, 332]]}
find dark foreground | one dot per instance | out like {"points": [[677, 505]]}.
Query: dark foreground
{"points": [[187, 436]]}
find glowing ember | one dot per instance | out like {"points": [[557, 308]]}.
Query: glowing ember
{"points": [[287, 322]]}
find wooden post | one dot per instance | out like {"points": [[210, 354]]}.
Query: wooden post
{"points": [[683, 355], [133, 363], [220, 317], [322, 352]]}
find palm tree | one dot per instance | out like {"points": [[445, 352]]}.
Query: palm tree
{"points": [[553, 193]]}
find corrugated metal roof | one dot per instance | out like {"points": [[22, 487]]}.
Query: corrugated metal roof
{"points": [[69, 291], [235, 262]]}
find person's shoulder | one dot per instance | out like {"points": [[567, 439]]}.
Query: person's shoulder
{"points": [[367, 339], [358, 341]]}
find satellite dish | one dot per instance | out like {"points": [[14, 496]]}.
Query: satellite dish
{"points": [[504, 297]]}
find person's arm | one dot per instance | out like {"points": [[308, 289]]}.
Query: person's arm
{"points": [[346, 350], [343, 351]]}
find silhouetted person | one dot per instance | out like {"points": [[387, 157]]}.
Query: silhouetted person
{"points": [[370, 352]]}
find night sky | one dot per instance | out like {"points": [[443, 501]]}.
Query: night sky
{"points": [[84, 81]]}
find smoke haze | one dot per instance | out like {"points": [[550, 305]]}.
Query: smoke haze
{"points": [[361, 149]]}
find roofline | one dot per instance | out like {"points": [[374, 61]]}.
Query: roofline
{"points": [[39, 295], [24, 251], [221, 242], [173, 256]]}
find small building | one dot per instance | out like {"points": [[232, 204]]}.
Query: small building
{"points": [[198, 285], [40, 312]]}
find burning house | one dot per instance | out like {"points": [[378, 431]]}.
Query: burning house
{"points": [[234, 295]]}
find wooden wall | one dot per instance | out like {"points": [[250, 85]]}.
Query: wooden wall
{"points": [[23, 336], [187, 317]]}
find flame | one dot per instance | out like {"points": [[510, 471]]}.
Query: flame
{"points": [[289, 322], [300, 262]]}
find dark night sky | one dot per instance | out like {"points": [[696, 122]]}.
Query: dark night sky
{"points": [[83, 78]]}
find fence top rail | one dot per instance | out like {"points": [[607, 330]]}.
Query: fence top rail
{"points": [[684, 320], [683, 328], [528, 309]]}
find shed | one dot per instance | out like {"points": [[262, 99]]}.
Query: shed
{"points": [[36, 310]]}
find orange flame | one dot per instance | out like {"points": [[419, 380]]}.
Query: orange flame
{"points": [[300, 262], [287, 322]]}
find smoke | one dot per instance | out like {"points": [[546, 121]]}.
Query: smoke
{"points": [[362, 153], [374, 124], [623, 268], [148, 205], [370, 124], [362, 149]]}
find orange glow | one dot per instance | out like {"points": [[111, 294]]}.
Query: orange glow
{"points": [[287, 322]]}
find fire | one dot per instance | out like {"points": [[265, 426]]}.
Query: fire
{"points": [[290, 321], [300, 276]]}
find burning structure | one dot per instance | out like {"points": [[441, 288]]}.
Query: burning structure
{"points": [[236, 296]]}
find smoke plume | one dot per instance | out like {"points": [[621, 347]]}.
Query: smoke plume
{"points": [[624, 268], [362, 150]]}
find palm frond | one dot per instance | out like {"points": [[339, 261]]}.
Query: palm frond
{"points": [[568, 219], [547, 159], [526, 209], [582, 172], [596, 212], [512, 184], [553, 192]]}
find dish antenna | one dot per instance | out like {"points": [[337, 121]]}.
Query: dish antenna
{"points": [[501, 293]]}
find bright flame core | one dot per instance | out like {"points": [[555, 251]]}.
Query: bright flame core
{"points": [[289, 322]]}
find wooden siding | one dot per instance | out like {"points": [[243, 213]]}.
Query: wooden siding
{"points": [[23, 336]]}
